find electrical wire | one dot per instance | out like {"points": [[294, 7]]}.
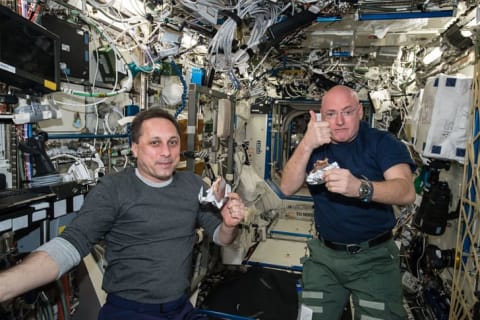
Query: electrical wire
{"points": [[64, 312], [127, 84], [221, 55], [66, 295]]}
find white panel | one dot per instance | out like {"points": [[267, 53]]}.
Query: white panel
{"points": [[6, 225], [293, 225], [39, 215], [20, 223], [256, 136], [224, 118], [77, 202], [283, 249], [446, 137], [279, 252], [59, 208]]}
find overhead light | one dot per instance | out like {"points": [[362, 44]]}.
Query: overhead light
{"points": [[466, 33], [420, 31], [433, 55], [336, 33]]}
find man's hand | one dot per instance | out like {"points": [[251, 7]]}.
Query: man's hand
{"points": [[341, 181], [233, 211], [318, 132]]}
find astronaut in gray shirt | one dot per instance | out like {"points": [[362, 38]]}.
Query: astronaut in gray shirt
{"points": [[147, 217]]}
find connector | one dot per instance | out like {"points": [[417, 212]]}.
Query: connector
{"points": [[410, 282]]}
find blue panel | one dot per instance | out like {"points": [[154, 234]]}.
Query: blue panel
{"points": [[476, 129], [268, 147], [341, 54], [197, 76], [450, 82], [436, 149], [460, 152], [471, 193], [405, 15], [131, 110]]}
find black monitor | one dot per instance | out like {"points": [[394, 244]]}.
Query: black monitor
{"points": [[29, 54], [74, 54]]}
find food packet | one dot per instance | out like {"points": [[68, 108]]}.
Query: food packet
{"points": [[316, 175], [216, 194]]}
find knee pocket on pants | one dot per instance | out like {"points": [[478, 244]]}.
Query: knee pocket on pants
{"points": [[373, 310]]}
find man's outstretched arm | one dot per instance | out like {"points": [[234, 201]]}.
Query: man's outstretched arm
{"points": [[36, 270]]}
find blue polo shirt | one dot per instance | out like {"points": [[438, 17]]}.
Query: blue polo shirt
{"points": [[349, 220]]}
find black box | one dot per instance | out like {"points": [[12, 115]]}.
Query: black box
{"points": [[74, 54]]}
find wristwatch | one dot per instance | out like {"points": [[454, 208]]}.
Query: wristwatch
{"points": [[365, 192]]}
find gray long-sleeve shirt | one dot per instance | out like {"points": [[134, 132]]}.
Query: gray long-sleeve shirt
{"points": [[149, 233]]}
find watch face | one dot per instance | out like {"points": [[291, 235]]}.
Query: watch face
{"points": [[364, 190]]}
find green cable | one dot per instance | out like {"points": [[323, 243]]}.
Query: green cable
{"points": [[48, 306]]}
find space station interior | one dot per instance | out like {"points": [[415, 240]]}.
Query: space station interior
{"points": [[240, 78]]}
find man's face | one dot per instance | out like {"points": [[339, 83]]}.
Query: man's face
{"points": [[343, 113], [158, 150]]}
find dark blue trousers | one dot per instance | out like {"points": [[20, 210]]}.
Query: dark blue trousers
{"points": [[117, 308]]}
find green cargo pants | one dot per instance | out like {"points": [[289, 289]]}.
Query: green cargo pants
{"points": [[371, 278]]}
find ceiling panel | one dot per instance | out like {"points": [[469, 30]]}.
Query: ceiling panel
{"points": [[372, 34]]}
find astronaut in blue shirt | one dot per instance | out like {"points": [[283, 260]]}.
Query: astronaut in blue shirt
{"points": [[355, 254]]}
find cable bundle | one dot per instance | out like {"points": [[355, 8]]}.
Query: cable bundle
{"points": [[222, 55]]}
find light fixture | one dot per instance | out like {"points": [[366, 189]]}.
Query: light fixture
{"points": [[433, 55], [466, 33], [336, 33]]}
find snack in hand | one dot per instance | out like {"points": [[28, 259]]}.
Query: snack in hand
{"points": [[217, 194], [316, 174], [320, 164]]}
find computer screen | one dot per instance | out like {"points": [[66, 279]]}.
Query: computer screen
{"points": [[29, 54], [74, 54]]}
